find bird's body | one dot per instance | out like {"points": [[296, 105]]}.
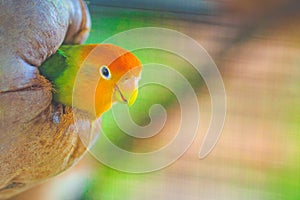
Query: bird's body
{"points": [[92, 77]]}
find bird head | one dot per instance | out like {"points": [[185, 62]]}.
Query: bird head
{"points": [[119, 72]]}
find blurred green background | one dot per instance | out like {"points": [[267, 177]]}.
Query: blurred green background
{"points": [[108, 21], [256, 48]]}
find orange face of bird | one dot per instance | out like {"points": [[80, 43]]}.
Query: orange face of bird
{"points": [[119, 72]]}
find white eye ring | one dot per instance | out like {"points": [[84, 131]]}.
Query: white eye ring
{"points": [[105, 72]]}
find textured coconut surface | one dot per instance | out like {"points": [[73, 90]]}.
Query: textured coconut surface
{"points": [[37, 139]]}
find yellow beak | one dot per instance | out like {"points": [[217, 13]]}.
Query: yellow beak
{"points": [[133, 97], [126, 91]]}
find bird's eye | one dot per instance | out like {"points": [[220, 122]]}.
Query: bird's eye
{"points": [[104, 72]]}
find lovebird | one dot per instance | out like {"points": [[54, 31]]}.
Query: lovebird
{"points": [[93, 77]]}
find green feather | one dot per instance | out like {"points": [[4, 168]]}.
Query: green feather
{"points": [[61, 69], [61, 52], [54, 66]]}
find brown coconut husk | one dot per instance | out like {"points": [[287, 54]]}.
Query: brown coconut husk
{"points": [[38, 138]]}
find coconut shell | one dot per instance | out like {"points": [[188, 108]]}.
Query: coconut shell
{"points": [[38, 139]]}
